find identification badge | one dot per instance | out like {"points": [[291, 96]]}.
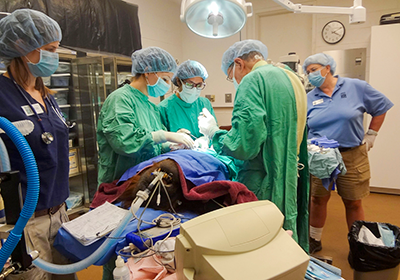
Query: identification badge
{"points": [[38, 108], [316, 102], [27, 110]]}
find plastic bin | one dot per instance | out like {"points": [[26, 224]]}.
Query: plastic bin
{"points": [[61, 96], [372, 261], [60, 80], [64, 67]]}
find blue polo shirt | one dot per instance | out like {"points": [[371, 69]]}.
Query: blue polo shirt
{"points": [[340, 117], [52, 159]]}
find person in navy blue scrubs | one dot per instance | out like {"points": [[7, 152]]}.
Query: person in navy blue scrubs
{"points": [[28, 43]]}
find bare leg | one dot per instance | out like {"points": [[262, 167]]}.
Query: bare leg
{"points": [[354, 211], [318, 210]]}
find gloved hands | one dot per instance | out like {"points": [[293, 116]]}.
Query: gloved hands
{"points": [[207, 124], [161, 136], [369, 138]]}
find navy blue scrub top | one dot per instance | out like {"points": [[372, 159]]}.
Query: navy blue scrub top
{"points": [[52, 159]]}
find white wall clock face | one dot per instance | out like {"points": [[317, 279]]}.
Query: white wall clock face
{"points": [[333, 32]]}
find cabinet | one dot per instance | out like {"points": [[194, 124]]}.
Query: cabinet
{"points": [[383, 75], [93, 79]]}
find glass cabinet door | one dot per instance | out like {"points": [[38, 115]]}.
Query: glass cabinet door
{"points": [[90, 93]]}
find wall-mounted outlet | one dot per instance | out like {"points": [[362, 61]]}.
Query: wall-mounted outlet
{"points": [[228, 97], [210, 97]]}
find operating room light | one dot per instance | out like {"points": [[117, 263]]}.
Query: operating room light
{"points": [[224, 18], [215, 18]]}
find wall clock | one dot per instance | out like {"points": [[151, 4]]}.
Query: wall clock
{"points": [[333, 32]]}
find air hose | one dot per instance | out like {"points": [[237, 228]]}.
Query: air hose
{"points": [[32, 192], [29, 207]]}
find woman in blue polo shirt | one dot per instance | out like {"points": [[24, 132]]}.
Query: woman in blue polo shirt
{"points": [[28, 43], [335, 109]]}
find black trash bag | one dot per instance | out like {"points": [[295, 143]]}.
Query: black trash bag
{"points": [[364, 257]]}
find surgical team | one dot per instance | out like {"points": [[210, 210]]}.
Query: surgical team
{"points": [[271, 121]]}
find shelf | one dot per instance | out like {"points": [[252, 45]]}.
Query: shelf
{"points": [[64, 106], [75, 174]]}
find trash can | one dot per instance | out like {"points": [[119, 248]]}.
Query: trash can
{"points": [[374, 250]]}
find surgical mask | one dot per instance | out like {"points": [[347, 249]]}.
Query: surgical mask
{"points": [[189, 95], [235, 83], [158, 89], [316, 79], [46, 66]]}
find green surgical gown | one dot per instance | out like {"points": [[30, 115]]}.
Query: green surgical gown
{"points": [[126, 121], [264, 136], [177, 114]]}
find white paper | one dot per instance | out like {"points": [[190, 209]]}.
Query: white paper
{"points": [[95, 224]]}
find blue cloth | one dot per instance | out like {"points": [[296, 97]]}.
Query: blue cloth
{"points": [[325, 142], [198, 167], [71, 248], [326, 182], [340, 116], [52, 159]]}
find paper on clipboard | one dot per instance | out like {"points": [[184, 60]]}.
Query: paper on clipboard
{"points": [[95, 224]]}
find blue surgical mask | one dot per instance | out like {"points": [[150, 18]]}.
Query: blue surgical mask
{"points": [[46, 66], [189, 95], [235, 83], [158, 89], [316, 79]]}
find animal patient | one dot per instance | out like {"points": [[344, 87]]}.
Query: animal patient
{"points": [[172, 198]]}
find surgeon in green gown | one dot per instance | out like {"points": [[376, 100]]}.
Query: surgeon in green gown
{"points": [[129, 128], [268, 132], [180, 110]]}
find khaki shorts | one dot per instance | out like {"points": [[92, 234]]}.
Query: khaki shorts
{"points": [[355, 184]]}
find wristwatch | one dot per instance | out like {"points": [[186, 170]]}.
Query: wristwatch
{"points": [[372, 132]]}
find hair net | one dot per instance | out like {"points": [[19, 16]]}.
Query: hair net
{"points": [[25, 30], [190, 69], [240, 48], [320, 58], [152, 59]]}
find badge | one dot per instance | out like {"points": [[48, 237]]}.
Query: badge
{"points": [[37, 108], [27, 110], [316, 102]]}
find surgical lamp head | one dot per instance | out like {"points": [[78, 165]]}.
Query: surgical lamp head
{"points": [[241, 48], [215, 18], [190, 69], [151, 60], [322, 59]]}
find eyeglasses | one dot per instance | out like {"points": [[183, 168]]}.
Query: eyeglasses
{"points": [[189, 85], [229, 78]]}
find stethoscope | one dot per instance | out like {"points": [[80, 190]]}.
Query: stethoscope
{"points": [[46, 136]]}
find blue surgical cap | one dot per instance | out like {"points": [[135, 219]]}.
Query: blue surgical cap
{"points": [[152, 59], [240, 48], [322, 59], [190, 69], [24, 31]]}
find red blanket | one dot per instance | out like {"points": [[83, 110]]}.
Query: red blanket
{"points": [[233, 192]]}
